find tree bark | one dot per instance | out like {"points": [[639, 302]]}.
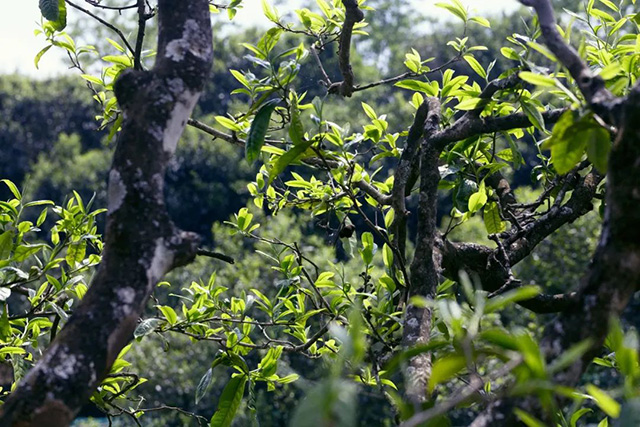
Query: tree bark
{"points": [[141, 242], [424, 268]]}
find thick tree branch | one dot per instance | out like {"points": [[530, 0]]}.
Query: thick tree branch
{"points": [[518, 244], [491, 89], [468, 126], [353, 14], [591, 85], [141, 243], [408, 160], [142, 24], [424, 268], [373, 192]]}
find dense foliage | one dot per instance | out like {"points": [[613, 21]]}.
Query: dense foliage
{"points": [[382, 259]]}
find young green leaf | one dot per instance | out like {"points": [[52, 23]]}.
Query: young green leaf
{"points": [[475, 66], [528, 419], [446, 368], [533, 114], [258, 130], [296, 130], [492, 220], [169, 314], [478, 199], [287, 158], [598, 147], [605, 402], [418, 86], [13, 188], [537, 79], [512, 296]]}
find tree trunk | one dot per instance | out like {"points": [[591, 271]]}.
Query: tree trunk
{"points": [[141, 243]]}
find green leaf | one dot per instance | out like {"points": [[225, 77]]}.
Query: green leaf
{"points": [[92, 79], [203, 385], [269, 11], [512, 296], [60, 23], [528, 419], [23, 252], [492, 220], [387, 256], [481, 21], [146, 327], [269, 363], [598, 147], [605, 402], [533, 114], [567, 152], [12, 350], [566, 120], [368, 247], [475, 65], [229, 402], [577, 415], [123, 60], [456, 8], [567, 358], [12, 187], [537, 79], [296, 130], [169, 314], [478, 199], [369, 111], [54, 11], [446, 368], [468, 104], [510, 53], [228, 123], [6, 244], [287, 158], [258, 130], [76, 252], [39, 55], [417, 86], [49, 9]]}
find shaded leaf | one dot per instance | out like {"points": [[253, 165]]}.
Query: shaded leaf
{"points": [[258, 130], [203, 385], [229, 402]]}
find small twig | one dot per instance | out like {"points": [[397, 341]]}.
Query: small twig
{"points": [[105, 23], [216, 255], [96, 3], [406, 75], [325, 77], [142, 22]]}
